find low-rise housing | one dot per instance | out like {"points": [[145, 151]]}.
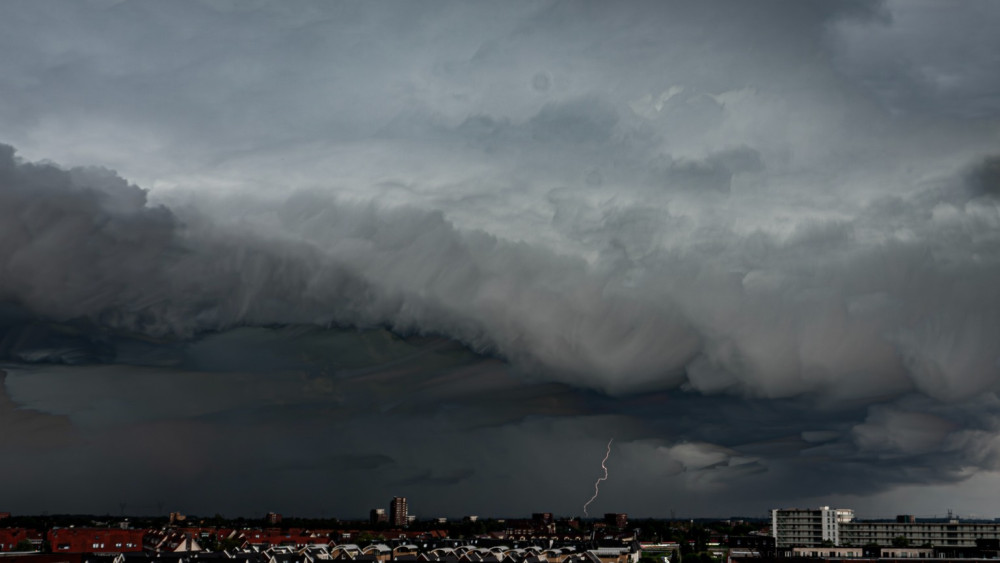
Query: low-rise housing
{"points": [[95, 540]]}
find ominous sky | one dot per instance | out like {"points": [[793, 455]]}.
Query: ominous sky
{"points": [[305, 256]]}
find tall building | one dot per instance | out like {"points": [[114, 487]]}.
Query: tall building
{"points": [[378, 516], [397, 511], [798, 527]]}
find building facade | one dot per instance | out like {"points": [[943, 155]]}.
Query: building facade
{"points": [[827, 552], [95, 540], [397, 512], [826, 527], [808, 527], [11, 537], [948, 533]]}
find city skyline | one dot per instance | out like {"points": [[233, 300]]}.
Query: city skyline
{"points": [[262, 514], [653, 257]]}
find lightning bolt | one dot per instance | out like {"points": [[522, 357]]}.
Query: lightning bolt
{"points": [[597, 484]]}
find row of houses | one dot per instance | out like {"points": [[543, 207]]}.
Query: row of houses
{"points": [[432, 552], [443, 553], [98, 540], [173, 540], [322, 545], [177, 539]]}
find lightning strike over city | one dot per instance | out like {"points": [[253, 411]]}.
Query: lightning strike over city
{"points": [[597, 484]]}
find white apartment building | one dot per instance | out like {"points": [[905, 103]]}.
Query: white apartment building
{"points": [[796, 527], [808, 527], [950, 533]]}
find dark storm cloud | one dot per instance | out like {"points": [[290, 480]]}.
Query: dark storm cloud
{"points": [[344, 462], [429, 478], [912, 75], [756, 243], [984, 177]]}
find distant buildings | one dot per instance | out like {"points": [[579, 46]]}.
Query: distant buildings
{"points": [[378, 516], [169, 541], [273, 518], [398, 515], [542, 517], [177, 518], [751, 546], [95, 540], [11, 537], [397, 512], [616, 520]]}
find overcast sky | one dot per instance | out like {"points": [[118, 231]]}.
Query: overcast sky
{"points": [[306, 256]]}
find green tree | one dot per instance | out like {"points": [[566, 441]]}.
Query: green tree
{"points": [[24, 545], [900, 541], [211, 543]]}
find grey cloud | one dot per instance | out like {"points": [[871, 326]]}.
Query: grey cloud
{"points": [[268, 76], [892, 57], [714, 173], [578, 121], [585, 124], [889, 432]]}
